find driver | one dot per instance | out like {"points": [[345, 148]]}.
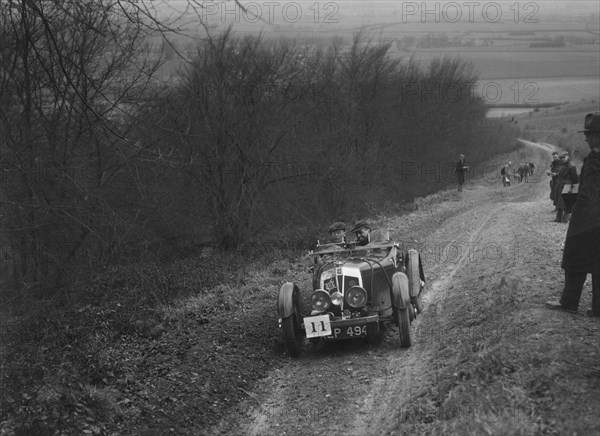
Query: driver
{"points": [[362, 230], [337, 233], [336, 240]]}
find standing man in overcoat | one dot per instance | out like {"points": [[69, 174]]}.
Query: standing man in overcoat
{"points": [[460, 170], [567, 175], [581, 254]]}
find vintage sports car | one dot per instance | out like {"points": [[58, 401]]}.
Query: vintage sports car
{"points": [[356, 291]]}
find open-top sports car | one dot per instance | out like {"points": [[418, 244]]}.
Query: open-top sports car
{"points": [[356, 291]]}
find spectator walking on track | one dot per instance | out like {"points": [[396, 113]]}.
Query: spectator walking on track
{"points": [[505, 174]]}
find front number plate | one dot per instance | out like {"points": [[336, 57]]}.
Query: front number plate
{"points": [[349, 332], [316, 326]]}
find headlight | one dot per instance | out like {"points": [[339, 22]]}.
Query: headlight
{"points": [[337, 298], [320, 300], [356, 297]]}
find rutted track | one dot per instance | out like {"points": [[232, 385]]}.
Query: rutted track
{"points": [[357, 389], [406, 368]]}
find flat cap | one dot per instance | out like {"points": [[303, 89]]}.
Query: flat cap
{"points": [[337, 226], [360, 224]]}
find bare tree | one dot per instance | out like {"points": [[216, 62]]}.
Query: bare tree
{"points": [[101, 154], [69, 69], [232, 112]]}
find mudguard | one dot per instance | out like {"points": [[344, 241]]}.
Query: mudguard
{"points": [[414, 271], [400, 290], [288, 300]]}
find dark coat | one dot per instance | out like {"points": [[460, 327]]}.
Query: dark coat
{"points": [[460, 170], [554, 168], [567, 175], [582, 245]]}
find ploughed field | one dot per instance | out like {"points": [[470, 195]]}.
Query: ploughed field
{"points": [[526, 76], [522, 62]]}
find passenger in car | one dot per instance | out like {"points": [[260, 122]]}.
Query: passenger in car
{"points": [[362, 230], [367, 234]]}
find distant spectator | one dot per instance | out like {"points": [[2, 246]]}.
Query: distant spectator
{"points": [[460, 171], [581, 255], [505, 174], [553, 173], [523, 172]]}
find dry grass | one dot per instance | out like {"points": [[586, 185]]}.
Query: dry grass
{"points": [[559, 126], [438, 197]]}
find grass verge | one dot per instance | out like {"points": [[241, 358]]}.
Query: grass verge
{"points": [[141, 348]]}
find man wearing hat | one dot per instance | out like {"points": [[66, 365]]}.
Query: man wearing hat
{"points": [[581, 255], [336, 240], [337, 233], [567, 175], [553, 173], [362, 230]]}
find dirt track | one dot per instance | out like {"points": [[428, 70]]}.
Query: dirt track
{"points": [[492, 258]]}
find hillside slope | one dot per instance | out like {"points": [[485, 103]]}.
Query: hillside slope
{"points": [[487, 358]]}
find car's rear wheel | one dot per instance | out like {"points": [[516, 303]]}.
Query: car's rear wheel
{"points": [[292, 335], [403, 326]]}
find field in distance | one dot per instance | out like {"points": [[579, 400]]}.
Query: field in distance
{"points": [[503, 63]]}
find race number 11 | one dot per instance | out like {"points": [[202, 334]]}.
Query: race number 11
{"points": [[316, 326]]}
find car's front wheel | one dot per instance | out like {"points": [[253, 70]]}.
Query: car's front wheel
{"points": [[403, 318], [292, 335], [401, 306]]}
